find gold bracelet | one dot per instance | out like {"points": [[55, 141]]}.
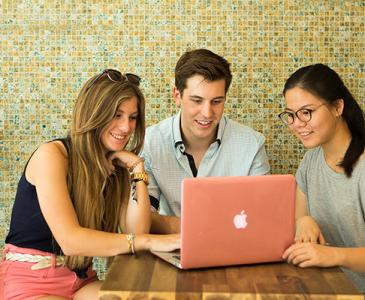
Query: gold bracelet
{"points": [[130, 240], [140, 176], [135, 163]]}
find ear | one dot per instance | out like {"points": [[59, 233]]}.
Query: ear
{"points": [[177, 96], [339, 106]]}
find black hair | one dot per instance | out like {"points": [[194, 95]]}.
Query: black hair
{"points": [[323, 82]]}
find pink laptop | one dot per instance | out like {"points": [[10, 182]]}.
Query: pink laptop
{"points": [[234, 220]]}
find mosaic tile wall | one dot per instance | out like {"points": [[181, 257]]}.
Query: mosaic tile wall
{"points": [[49, 48]]}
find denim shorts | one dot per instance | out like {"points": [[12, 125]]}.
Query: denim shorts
{"points": [[19, 282]]}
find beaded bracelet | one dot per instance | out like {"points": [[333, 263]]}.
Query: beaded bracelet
{"points": [[135, 163], [130, 240]]}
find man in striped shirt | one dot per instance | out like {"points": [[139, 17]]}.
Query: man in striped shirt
{"points": [[199, 140]]}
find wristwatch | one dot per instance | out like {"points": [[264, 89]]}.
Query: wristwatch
{"points": [[140, 176]]}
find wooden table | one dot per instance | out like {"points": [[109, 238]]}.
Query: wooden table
{"points": [[145, 277]]}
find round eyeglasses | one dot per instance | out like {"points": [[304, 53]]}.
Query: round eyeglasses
{"points": [[303, 114], [116, 76]]}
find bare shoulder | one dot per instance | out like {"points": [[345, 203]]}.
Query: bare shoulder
{"points": [[53, 150], [49, 158]]}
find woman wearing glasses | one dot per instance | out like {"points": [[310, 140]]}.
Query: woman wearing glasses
{"points": [[77, 194], [330, 213]]}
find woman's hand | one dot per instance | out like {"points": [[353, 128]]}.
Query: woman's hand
{"points": [[307, 230], [164, 242], [309, 255], [125, 159]]}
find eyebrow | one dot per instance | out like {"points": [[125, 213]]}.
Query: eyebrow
{"points": [[195, 97], [307, 106], [122, 111], [202, 98]]}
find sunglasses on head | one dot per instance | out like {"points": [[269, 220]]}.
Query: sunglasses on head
{"points": [[116, 76]]}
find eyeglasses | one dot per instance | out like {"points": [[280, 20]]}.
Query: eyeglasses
{"points": [[304, 115], [116, 76]]}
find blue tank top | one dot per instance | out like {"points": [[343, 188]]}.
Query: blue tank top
{"points": [[28, 228]]}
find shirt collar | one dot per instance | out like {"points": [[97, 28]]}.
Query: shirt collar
{"points": [[176, 132]]}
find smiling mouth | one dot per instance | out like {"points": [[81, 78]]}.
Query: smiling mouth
{"points": [[118, 136], [203, 123], [304, 133]]}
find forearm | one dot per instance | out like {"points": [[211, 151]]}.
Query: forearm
{"points": [[301, 208], [138, 215], [88, 242], [164, 224], [351, 258]]}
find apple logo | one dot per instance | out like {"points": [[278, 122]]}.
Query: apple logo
{"points": [[240, 220]]}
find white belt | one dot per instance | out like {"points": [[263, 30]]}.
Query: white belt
{"points": [[42, 261]]}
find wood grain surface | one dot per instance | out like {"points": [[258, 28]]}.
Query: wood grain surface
{"points": [[145, 276]]}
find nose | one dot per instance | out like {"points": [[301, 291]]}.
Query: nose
{"points": [[207, 110], [123, 125]]}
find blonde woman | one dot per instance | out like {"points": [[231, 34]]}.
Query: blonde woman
{"points": [[82, 196]]}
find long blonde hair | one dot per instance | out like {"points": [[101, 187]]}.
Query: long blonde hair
{"points": [[98, 196]]}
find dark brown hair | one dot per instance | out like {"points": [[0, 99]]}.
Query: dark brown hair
{"points": [[201, 62]]}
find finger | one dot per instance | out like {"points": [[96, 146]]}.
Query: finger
{"points": [[306, 263], [292, 249], [297, 252], [117, 156], [113, 155], [117, 162], [287, 252], [300, 259], [305, 238], [290, 257], [298, 240], [311, 238], [322, 240]]}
